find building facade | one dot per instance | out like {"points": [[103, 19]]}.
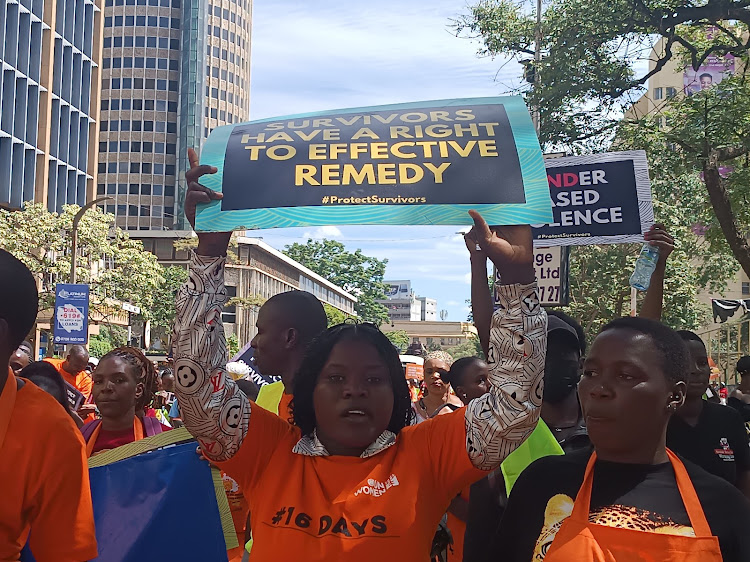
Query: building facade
{"points": [[49, 101], [445, 334], [172, 71], [404, 305], [428, 312]]}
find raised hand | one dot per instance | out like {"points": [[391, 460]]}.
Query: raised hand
{"points": [[509, 247], [475, 251], [659, 237], [209, 243]]}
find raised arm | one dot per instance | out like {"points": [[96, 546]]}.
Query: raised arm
{"points": [[654, 299], [212, 406], [481, 299], [498, 422]]}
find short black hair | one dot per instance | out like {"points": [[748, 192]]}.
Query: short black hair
{"points": [[78, 351], [675, 356], [20, 299], [303, 411], [706, 75], [458, 369], [303, 310], [573, 323], [46, 377], [687, 336], [743, 365]]}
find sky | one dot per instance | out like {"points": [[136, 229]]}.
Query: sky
{"points": [[329, 54]]}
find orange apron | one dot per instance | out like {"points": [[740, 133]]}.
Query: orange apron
{"points": [[582, 541]]}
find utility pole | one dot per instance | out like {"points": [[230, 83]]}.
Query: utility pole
{"points": [[537, 59], [74, 248]]}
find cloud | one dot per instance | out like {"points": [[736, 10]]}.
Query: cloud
{"points": [[319, 233]]}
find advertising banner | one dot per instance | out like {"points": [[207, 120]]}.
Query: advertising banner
{"points": [[710, 73], [416, 163], [71, 313], [553, 281], [597, 199]]}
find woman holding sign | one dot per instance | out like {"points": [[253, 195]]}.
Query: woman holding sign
{"points": [[343, 482]]}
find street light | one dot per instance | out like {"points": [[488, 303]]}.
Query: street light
{"points": [[76, 220]]}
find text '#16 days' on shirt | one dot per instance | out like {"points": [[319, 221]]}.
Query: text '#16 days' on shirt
{"points": [[639, 497], [308, 505]]}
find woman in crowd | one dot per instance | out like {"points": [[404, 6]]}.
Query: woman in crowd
{"points": [[709, 434], [437, 396], [632, 498], [46, 377], [124, 384], [340, 483]]}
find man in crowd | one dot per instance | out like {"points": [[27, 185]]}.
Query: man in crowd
{"points": [[44, 479], [21, 357], [73, 369]]}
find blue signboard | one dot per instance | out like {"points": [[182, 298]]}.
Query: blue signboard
{"points": [[71, 313]]}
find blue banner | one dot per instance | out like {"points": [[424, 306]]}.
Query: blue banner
{"points": [[157, 506], [71, 313], [416, 163]]}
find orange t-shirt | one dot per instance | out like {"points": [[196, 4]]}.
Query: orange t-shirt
{"points": [[45, 483], [82, 381], [339, 508]]}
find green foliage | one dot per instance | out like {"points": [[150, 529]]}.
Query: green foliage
{"points": [[109, 338], [468, 348], [116, 267], [233, 345], [334, 315], [399, 338], [587, 73], [162, 311], [355, 272]]}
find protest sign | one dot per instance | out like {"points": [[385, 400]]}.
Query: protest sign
{"points": [[71, 313], [417, 163], [551, 269], [75, 398], [597, 199]]}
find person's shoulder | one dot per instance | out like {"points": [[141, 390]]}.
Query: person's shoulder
{"points": [[722, 413], [711, 488], [555, 470], [44, 420], [53, 361]]}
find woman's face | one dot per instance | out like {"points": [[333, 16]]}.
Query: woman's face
{"points": [[353, 398], [700, 371], [625, 394], [475, 382], [433, 368], [115, 389]]}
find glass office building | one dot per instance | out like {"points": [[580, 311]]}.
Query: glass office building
{"points": [[172, 70], [49, 95]]}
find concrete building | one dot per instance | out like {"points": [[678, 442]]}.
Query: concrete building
{"points": [[446, 334], [259, 272], [172, 71], [49, 101], [428, 309], [403, 304]]}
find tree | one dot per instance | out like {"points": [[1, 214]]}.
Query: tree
{"points": [[399, 338], [469, 348], [334, 315], [587, 74], [162, 312], [116, 267], [353, 271]]}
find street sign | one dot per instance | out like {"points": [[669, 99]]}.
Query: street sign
{"points": [[131, 308], [551, 267], [71, 313]]}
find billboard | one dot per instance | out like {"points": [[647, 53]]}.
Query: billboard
{"points": [[71, 313], [710, 73]]}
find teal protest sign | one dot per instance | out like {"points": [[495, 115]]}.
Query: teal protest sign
{"points": [[417, 163]]}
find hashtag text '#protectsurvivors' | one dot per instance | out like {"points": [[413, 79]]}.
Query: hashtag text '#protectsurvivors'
{"points": [[372, 200]]}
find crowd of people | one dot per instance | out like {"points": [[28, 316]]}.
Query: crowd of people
{"points": [[545, 448]]}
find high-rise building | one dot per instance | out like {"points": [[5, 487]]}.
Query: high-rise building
{"points": [[172, 71], [49, 101], [404, 305]]}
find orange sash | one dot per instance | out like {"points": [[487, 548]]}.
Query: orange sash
{"points": [[582, 541], [7, 401], [137, 431]]}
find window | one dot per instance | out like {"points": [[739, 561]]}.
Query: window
{"points": [[172, 128], [130, 20], [114, 104], [101, 169], [133, 189], [113, 146], [174, 44], [140, 20], [658, 93], [122, 189], [156, 211], [103, 125], [214, 113], [215, 72], [125, 103], [223, 115], [671, 92], [157, 189], [223, 74], [121, 209], [133, 210], [135, 146], [122, 167], [148, 125], [159, 126], [163, 22], [153, 21], [127, 62], [106, 63], [112, 168], [171, 148], [114, 125], [125, 125], [127, 84], [135, 167], [150, 83], [168, 212], [215, 93], [136, 125], [138, 85], [128, 41], [148, 147], [161, 84], [108, 21], [137, 104], [745, 288], [158, 169], [100, 189], [169, 171], [144, 211], [169, 191], [216, 52], [172, 106], [162, 64], [149, 105], [116, 62], [159, 148], [140, 41], [146, 166], [150, 62], [139, 62], [118, 21], [105, 105], [163, 42], [175, 23], [173, 86], [174, 64]]}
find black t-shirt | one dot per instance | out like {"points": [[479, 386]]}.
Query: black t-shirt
{"points": [[642, 497], [718, 443]]}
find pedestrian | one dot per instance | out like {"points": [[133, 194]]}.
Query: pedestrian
{"points": [[73, 369], [44, 479], [124, 386], [340, 482], [437, 396], [632, 498], [46, 377], [709, 434], [739, 399]]}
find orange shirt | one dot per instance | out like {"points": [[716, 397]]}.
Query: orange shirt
{"points": [[44, 482], [82, 381], [458, 530], [337, 508]]}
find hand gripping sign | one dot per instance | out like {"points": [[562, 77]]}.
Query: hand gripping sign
{"points": [[417, 163]]}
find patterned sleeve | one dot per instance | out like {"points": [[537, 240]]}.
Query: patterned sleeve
{"points": [[502, 419], [212, 406]]}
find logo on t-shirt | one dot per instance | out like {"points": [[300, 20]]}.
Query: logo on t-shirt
{"points": [[725, 453], [375, 488], [318, 526]]}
